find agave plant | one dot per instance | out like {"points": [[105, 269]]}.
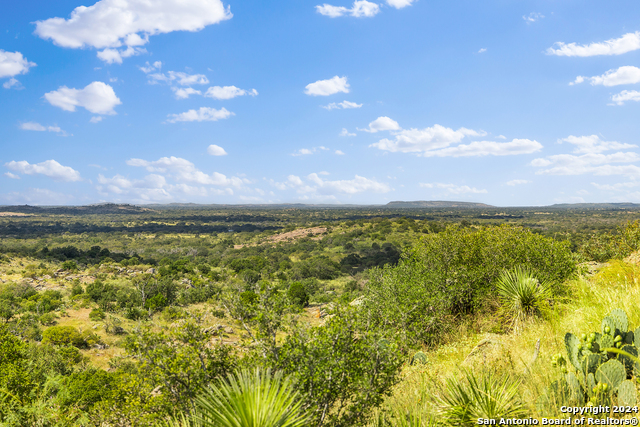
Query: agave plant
{"points": [[486, 395], [521, 295], [247, 399]]}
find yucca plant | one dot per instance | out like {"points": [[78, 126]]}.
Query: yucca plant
{"points": [[486, 395], [247, 399], [521, 295]]}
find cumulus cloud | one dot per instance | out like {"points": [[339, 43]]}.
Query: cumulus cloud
{"points": [[621, 76], [315, 186], [39, 128], [327, 87], [588, 158], [345, 132], [11, 175], [96, 119], [339, 152], [360, 9], [96, 97], [532, 17], [49, 168], [184, 171], [127, 24], [482, 50], [627, 43], [13, 63], [381, 124], [621, 186], [309, 151], [440, 141], [399, 4], [216, 150], [228, 92], [626, 95], [593, 144], [204, 114], [453, 189], [184, 93], [515, 182], [341, 105], [178, 77]]}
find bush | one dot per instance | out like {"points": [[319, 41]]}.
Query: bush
{"points": [[48, 319], [70, 265], [96, 315], [63, 335], [455, 272], [298, 295]]}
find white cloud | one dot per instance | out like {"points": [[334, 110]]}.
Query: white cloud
{"points": [[345, 132], [97, 97], [627, 43], [341, 105], [178, 77], [111, 56], [626, 95], [591, 163], [204, 114], [438, 141], [307, 151], [49, 168], [622, 76], [382, 123], [151, 67], [622, 186], [514, 182], [111, 24], [96, 119], [39, 128], [357, 185], [482, 50], [339, 152], [184, 93], [228, 92], [453, 189], [11, 175], [13, 63], [184, 171], [532, 17], [360, 9], [216, 150], [12, 83], [418, 140], [327, 87], [399, 4], [593, 144]]}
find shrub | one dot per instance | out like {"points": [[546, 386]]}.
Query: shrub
{"points": [[70, 265], [455, 272], [298, 295], [96, 315], [48, 319], [63, 335], [85, 389]]}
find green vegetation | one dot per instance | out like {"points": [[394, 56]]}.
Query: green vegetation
{"points": [[329, 317]]}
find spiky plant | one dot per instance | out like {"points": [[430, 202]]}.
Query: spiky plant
{"points": [[251, 399], [485, 395], [521, 295]]}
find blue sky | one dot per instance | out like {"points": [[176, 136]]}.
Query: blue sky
{"points": [[159, 101]]}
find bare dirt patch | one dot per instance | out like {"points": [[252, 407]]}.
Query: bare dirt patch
{"points": [[314, 233], [14, 214]]}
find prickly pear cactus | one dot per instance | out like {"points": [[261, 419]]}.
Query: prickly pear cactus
{"points": [[627, 395], [629, 338], [626, 360], [606, 341], [573, 344], [611, 373], [620, 317], [419, 358], [590, 384], [575, 389], [636, 337], [591, 362], [608, 326]]}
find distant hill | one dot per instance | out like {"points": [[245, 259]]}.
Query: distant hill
{"points": [[98, 209], [436, 204], [596, 206]]}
